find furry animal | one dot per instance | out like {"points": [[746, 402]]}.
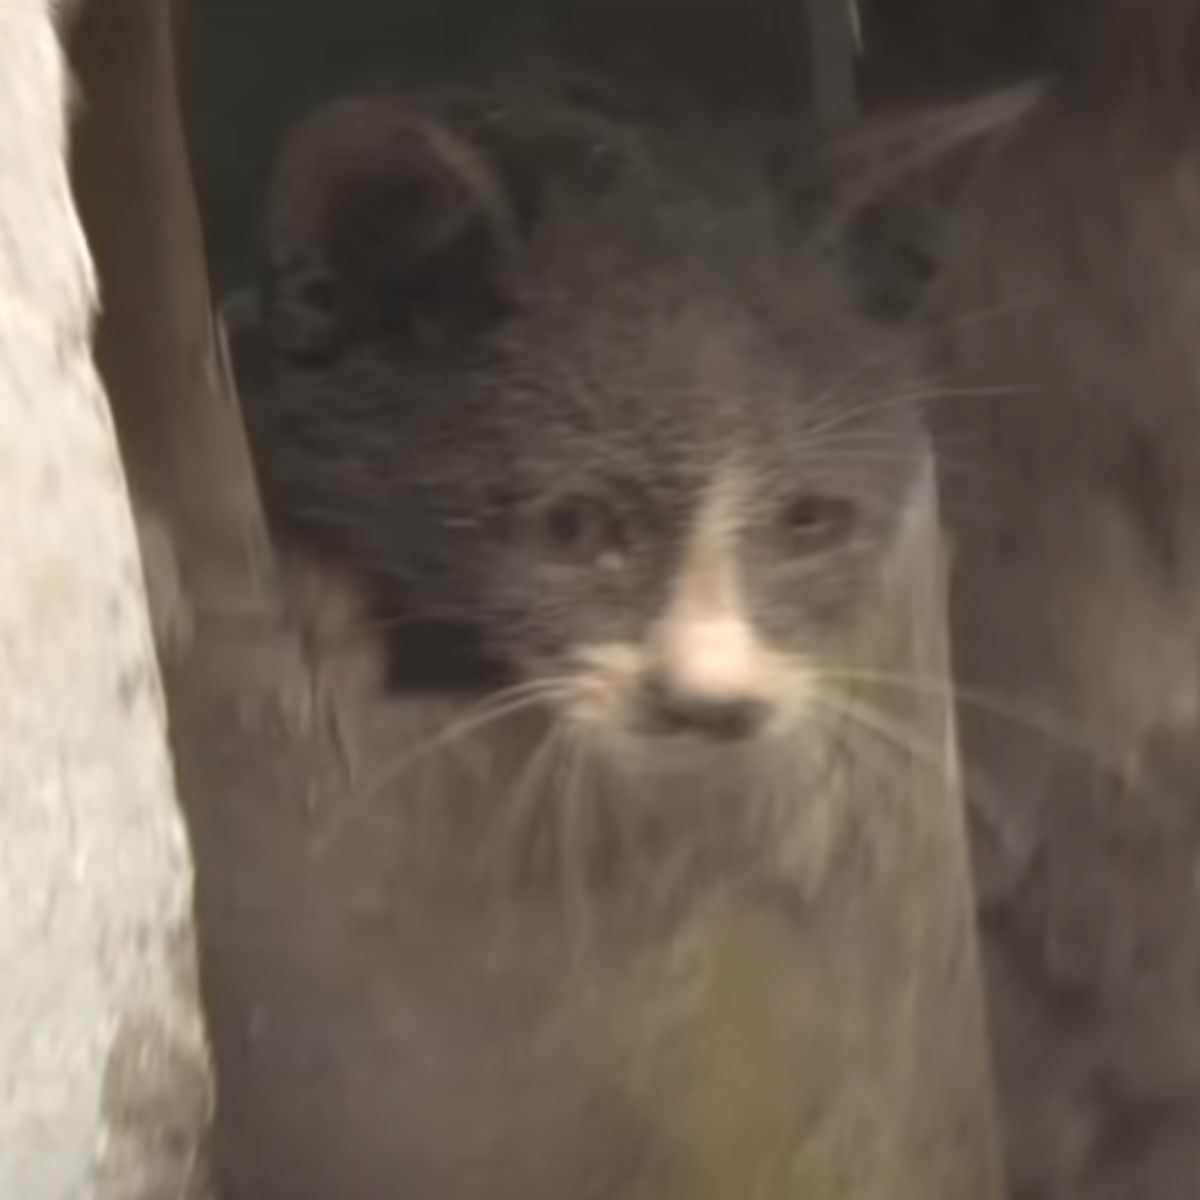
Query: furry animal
{"points": [[655, 885], [579, 412]]}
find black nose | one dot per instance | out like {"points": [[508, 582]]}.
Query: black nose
{"points": [[724, 717]]}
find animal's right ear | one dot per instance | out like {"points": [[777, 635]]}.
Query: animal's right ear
{"points": [[381, 223]]}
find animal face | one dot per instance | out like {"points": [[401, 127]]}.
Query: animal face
{"points": [[624, 445]]}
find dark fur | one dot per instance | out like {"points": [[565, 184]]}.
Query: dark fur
{"points": [[478, 307], [531, 969]]}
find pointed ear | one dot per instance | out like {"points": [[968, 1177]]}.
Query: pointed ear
{"points": [[381, 223], [884, 195]]}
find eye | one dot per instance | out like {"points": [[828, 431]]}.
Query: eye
{"points": [[318, 292], [812, 522], [582, 529]]}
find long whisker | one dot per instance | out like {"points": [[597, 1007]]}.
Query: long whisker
{"points": [[883, 402], [893, 733], [489, 711], [925, 332], [522, 800], [1052, 726], [572, 853], [986, 802], [486, 712]]}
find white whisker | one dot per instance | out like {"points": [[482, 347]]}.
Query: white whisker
{"points": [[519, 809], [986, 801], [573, 854], [1052, 726], [506, 703], [884, 402]]}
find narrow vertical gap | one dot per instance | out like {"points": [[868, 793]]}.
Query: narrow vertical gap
{"points": [[833, 37]]}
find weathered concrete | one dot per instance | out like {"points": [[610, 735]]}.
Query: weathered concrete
{"points": [[103, 1076]]}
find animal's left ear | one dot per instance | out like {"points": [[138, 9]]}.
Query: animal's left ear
{"points": [[884, 195], [891, 239]]}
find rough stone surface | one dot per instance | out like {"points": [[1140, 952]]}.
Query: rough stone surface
{"points": [[103, 1079]]}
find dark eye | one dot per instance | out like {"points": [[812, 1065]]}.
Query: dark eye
{"points": [[319, 292], [582, 529], [812, 522]]}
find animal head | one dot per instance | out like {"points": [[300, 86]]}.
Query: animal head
{"points": [[590, 415]]}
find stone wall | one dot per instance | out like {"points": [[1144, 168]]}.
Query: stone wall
{"points": [[104, 1090]]}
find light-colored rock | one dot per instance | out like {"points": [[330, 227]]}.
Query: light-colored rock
{"points": [[104, 1090]]}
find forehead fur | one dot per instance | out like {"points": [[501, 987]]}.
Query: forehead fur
{"points": [[655, 307], [671, 307]]}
